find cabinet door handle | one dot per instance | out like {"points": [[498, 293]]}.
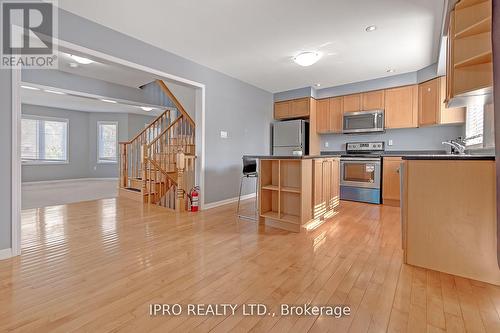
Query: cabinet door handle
{"points": [[397, 170]]}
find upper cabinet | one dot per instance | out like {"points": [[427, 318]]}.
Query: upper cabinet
{"points": [[431, 105], [401, 107], [373, 100], [297, 108], [352, 103], [469, 64], [329, 113]]}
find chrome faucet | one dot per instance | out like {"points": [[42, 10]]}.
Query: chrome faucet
{"points": [[459, 144]]}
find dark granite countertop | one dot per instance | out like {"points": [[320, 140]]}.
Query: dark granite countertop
{"points": [[395, 152], [450, 157], [287, 157]]}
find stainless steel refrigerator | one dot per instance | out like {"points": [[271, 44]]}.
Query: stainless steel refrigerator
{"points": [[290, 137]]}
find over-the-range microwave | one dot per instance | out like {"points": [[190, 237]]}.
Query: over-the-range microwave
{"points": [[363, 121]]}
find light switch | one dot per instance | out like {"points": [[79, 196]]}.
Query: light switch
{"points": [[223, 134], [326, 144], [390, 143]]}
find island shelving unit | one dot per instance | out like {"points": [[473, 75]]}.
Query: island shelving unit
{"points": [[291, 187]]}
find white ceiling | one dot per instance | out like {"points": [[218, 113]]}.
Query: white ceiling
{"points": [[78, 101], [103, 71], [255, 40]]}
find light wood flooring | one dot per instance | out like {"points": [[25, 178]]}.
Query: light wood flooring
{"points": [[96, 266]]}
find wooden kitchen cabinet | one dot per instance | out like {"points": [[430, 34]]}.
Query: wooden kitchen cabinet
{"points": [[469, 49], [297, 108], [352, 103], [301, 108], [391, 181], [323, 115], [329, 115], [326, 187], [373, 100], [282, 109], [401, 107], [431, 105]]}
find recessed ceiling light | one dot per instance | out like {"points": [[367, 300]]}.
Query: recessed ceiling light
{"points": [[108, 100], [73, 65], [391, 70], [147, 108], [30, 88], [371, 28], [307, 58], [54, 92], [81, 60], [317, 85]]}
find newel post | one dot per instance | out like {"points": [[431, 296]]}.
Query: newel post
{"points": [[144, 170], [181, 164], [123, 166]]}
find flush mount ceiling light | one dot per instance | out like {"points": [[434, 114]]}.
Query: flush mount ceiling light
{"points": [[391, 70], [317, 85], [81, 60], [30, 88], [73, 65], [307, 58], [108, 100], [371, 28], [147, 108], [54, 92]]}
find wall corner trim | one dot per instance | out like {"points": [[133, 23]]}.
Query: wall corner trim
{"points": [[6, 254], [226, 201]]}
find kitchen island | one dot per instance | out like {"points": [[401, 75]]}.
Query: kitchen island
{"points": [[297, 192], [448, 208]]}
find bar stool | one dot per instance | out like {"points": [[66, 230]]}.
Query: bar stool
{"points": [[249, 171]]}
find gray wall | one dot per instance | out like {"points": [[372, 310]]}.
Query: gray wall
{"points": [[424, 138], [242, 109], [82, 143]]}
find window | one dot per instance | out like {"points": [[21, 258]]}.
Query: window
{"points": [[474, 125], [44, 140], [107, 142]]}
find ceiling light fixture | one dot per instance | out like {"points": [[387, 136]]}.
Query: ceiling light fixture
{"points": [[317, 85], [54, 92], [147, 108], [81, 60], [391, 70], [371, 28], [307, 58], [73, 65], [108, 100], [30, 88]]}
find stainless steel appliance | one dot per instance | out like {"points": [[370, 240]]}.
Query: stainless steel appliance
{"points": [[290, 137], [361, 172], [363, 121]]}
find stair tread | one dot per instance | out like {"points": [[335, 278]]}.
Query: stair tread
{"points": [[132, 189]]}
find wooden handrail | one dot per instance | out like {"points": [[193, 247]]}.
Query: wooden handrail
{"points": [[145, 129], [165, 130], [165, 173], [172, 97]]}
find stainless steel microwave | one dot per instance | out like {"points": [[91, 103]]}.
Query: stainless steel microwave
{"points": [[363, 121]]}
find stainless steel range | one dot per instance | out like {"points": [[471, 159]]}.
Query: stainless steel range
{"points": [[361, 172]]}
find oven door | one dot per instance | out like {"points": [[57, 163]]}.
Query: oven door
{"points": [[360, 172], [363, 122]]}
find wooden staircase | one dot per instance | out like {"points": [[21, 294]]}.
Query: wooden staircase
{"points": [[158, 165]]}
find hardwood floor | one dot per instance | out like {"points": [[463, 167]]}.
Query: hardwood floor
{"points": [[98, 265]]}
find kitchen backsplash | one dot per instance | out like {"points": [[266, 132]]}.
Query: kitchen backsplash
{"points": [[424, 138]]}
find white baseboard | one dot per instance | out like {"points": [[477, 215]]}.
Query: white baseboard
{"points": [[5, 254], [227, 201], [59, 181]]}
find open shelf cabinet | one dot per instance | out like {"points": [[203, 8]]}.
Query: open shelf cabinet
{"points": [[283, 190]]}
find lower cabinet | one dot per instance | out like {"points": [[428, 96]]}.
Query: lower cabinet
{"points": [[326, 187], [391, 181]]}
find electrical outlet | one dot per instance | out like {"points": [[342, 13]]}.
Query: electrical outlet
{"points": [[390, 143], [223, 134], [326, 144]]}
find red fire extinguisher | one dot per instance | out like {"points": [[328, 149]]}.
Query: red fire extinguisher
{"points": [[194, 197]]}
